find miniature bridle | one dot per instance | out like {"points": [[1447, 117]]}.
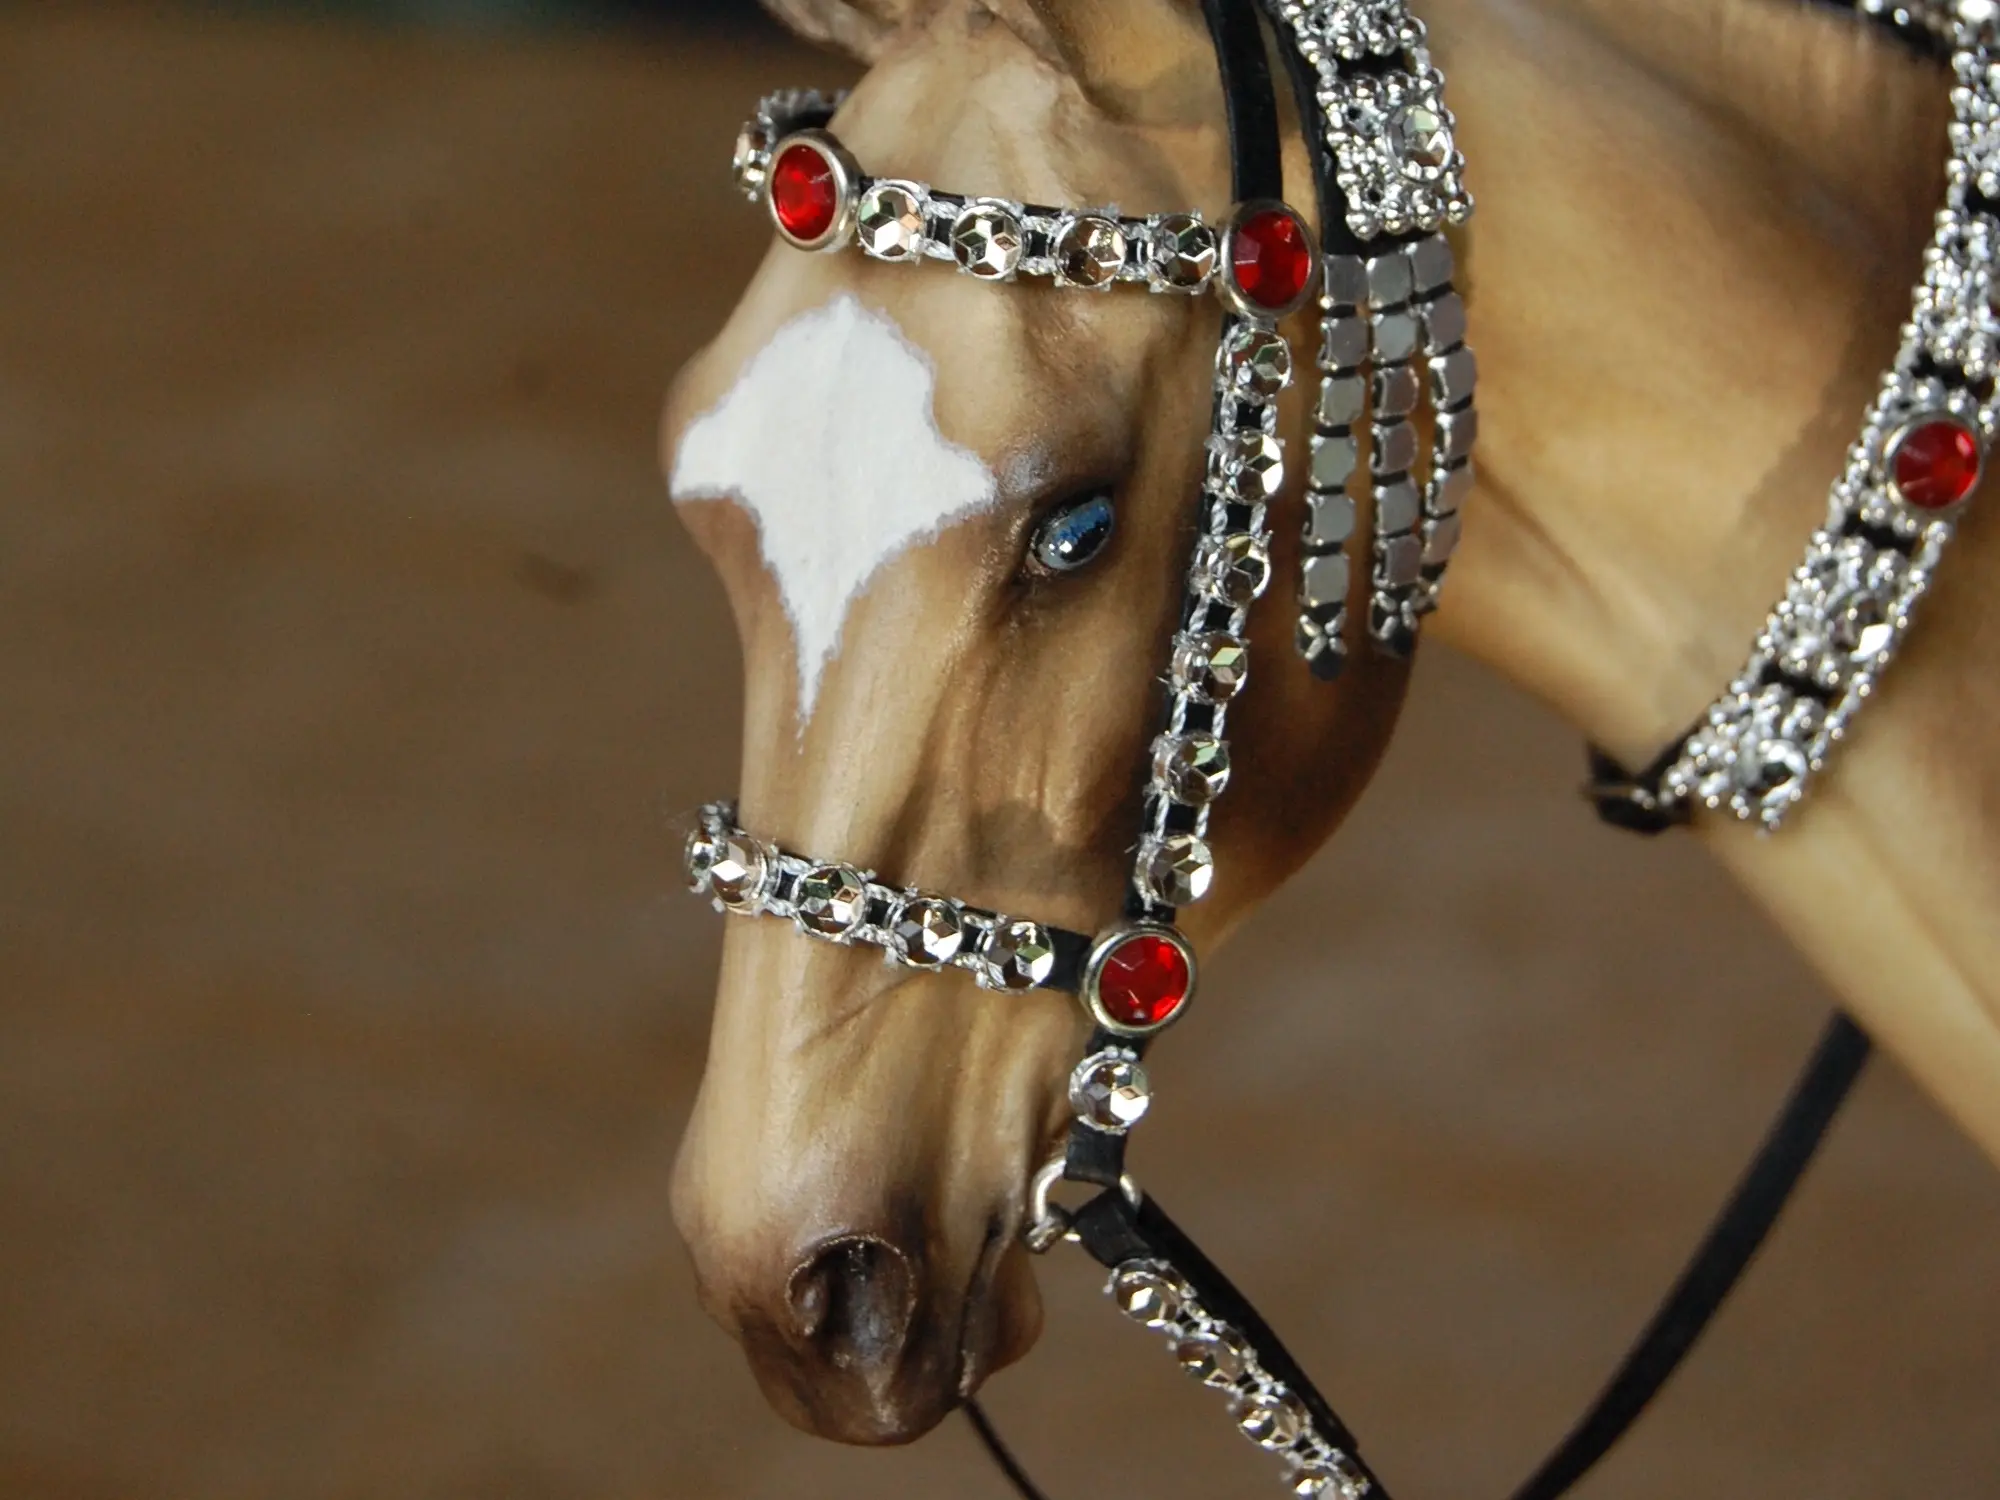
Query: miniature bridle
{"points": [[1388, 179]]}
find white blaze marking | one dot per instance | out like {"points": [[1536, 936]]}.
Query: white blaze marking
{"points": [[828, 439]]}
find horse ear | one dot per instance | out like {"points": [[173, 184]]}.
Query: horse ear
{"points": [[860, 28]]}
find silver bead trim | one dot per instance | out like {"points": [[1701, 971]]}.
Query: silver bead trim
{"points": [[1849, 604], [1216, 1353], [990, 944], [1245, 467], [1145, 244]]}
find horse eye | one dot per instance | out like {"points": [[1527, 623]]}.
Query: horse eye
{"points": [[1074, 533]]}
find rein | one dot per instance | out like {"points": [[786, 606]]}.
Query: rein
{"points": [[1388, 179]]}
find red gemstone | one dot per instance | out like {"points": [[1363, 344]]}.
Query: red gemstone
{"points": [[1143, 981], [804, 194], [1271, 257], [1936, 464]]}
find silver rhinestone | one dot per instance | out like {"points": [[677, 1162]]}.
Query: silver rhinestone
{"points": [[1340, 400], [927, 932], [1258, 467], [986, 240], [1260, 363], [1323, 581], [1110, 1091], [737, 869], [1395, 449], [1345, 280], [1193, 767], [1272, 1421], [1399, 562], [1089, 250], [1330, 520], [1147, 1296], [1332, 1477], [1451, 489], [831, 900], [890, 221], [753, 157], [1183, 252], [1860, 625], [1440, 540], [1457, 431], [1018, 955], [1345, 343], [1219, 1360], [1177, 870], [1237, 568], [1444, 323], [1421, 140], [1333, 461], [1396, 506], [1453, 377], [1390, 280], [1395, 336], [1211, 668], [1431, 260], [1395, 391], [700, 856]]}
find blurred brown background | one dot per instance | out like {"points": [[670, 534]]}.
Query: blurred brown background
{"points": [[352, 666]]}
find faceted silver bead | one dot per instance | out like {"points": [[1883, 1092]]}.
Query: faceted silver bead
{"points": [[1219, 1360], [1257, 467], [1340, 400], [1260, 363], [1421, 140], [1110, 1091], [1274, 1422], [1399, 561], [831, 900], [1334, 457], [1395, 449], [1440, 540], [986, 241], [1018, 955], [1089, 251], [1211, 668], [1330, 519], [1236, 568], [889, 222], [1183, 252], [700, 856], [927, 932], [1323, 581], [753, 158], [737, 869], [1176, 870], [1334, 1476], [1147, 1295], [1397, 506], [1194, 768]]}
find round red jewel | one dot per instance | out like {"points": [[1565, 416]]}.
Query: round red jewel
{"points": [[804, 194], [1144, 981], [1271, 258], [1936, 464]]}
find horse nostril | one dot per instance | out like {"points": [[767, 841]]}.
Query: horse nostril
{"points": [[852, 1302]]}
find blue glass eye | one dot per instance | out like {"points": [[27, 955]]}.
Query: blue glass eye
{"points": [[1073, 535]]}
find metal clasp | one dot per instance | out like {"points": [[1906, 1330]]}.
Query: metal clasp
{"points": [[1049, 1223]]}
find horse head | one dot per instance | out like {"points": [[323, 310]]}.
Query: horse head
{"points": [[954, 524]]}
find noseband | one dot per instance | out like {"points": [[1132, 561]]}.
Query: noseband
{"points": [[1388, 179]]}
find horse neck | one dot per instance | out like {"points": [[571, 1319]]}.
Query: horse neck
{"points": [[1698, 231]]}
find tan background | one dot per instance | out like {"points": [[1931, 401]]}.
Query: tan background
{"points": [[351, 668]]}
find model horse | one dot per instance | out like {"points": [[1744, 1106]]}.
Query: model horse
{"points": [[1699, 222]]}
